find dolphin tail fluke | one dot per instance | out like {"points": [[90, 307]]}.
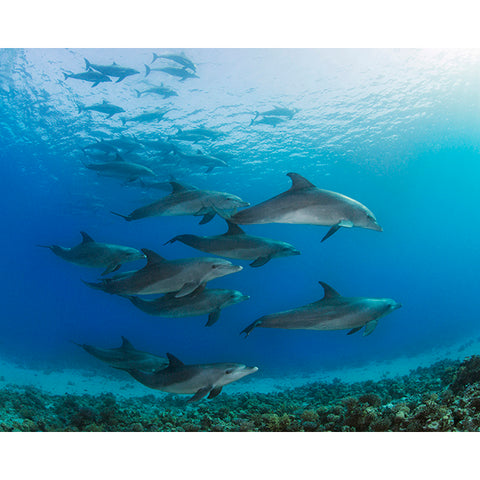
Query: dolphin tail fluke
{"points": [[139, 94], [155, 56], [254, 118], [172, 240], [88, 65], [80, 107], [247, 330], [66, 75], [147, 70], [332, 230], [124, 120], [126, 217]]}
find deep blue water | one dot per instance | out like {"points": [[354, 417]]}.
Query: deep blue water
{"points": [[397, 130]]}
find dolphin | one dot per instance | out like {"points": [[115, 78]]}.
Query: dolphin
{"points": [[154, 116], [165, 92], [105, 107], [113, 70], [306, 204], [160, 275], [196, 134], [278, 112], [332, 312], [90, 76], [189, 200], [102, 146], [235, 243], [161, 146], [273, 121], [119, 168], [202, 159], [199, 380], [98, 255], [183, 73], [181, 59], [202, 301], [124, 143], [126, 356]]}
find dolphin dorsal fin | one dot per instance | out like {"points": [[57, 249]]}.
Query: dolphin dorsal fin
{"points": [[299, 182], [329, 291], [86, 238], [152, 257], [179, 187], [104, 102], [174, 361], [119, 158], [126, 345], [233, 229]]}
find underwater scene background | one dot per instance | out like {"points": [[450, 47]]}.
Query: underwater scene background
{"points": [[396, 129]]}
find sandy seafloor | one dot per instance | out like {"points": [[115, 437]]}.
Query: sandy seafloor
{"points": [[63, 381]]}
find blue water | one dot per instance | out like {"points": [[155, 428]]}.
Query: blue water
{"points": [[397, 130]]}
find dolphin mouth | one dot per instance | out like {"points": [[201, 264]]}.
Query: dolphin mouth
{"points": [[377, 227]]}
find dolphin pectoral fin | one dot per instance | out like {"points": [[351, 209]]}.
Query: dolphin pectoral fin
{"points": [[186, 289], [111, 268], [95, 84], [332, 230], [120, 79], [203, 392], [214, 392], [209, 169], [212, 318], [260, 261], [370, 327], [354, 330], [207, 218]]}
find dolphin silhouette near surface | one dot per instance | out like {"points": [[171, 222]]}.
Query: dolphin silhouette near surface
{"points": [[332, 312], [306, 204]]}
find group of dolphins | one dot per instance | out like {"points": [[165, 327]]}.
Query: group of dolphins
{"points": [[183, 281]]}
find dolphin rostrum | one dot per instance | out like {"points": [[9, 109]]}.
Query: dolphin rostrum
{"points": [[202, 301], [189, 200], [199, 380], [304, 203], [119, 168], [235, 243], [126, 356], [332, 312], [159, 275], [98, 255]]}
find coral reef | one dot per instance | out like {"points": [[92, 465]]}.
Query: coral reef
{"points": [[443, 397]]}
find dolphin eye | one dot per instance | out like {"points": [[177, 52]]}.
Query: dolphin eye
{"points": [[214, 266], [228, 372]]}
